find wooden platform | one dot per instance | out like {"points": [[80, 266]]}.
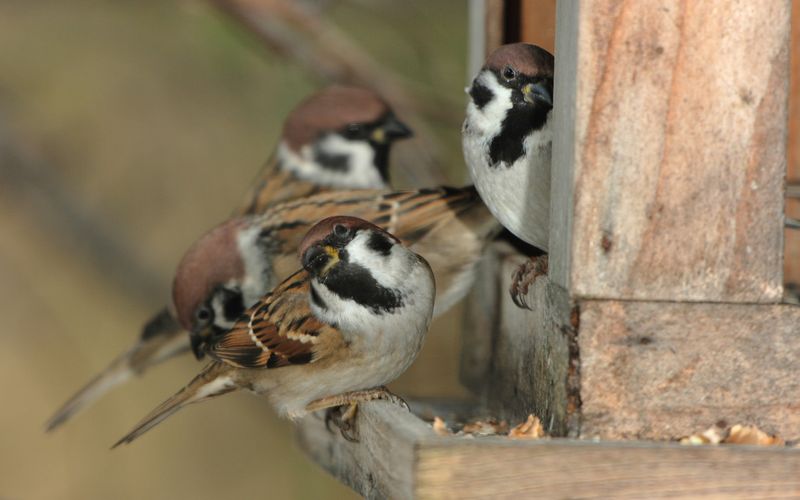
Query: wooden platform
{"points": [[400, 456]]}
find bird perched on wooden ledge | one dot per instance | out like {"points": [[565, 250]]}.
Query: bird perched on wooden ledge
{"points": [[334, 333], [243, 258], [338, 138], [507, 143]]}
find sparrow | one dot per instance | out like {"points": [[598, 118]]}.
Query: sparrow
{"points": [[338, 138], [507, 144], [333, 333], [236, 262]]}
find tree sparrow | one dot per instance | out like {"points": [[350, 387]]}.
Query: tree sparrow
{"points": [[507, 142], [338, 138], [235, 263], [334, 333]]}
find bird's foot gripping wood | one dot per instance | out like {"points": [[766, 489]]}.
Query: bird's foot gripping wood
{"points": [[343, 408], [524, 277]]}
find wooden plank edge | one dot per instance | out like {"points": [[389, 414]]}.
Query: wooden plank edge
{"points": [[399, 455]]}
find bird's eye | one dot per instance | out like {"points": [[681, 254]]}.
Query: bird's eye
{"points": [[340, 230], [509, 73], [203, 315], [353, 130]]}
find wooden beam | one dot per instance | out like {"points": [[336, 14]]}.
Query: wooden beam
{"points": [[399, 456], [669, 149], [538, 23], [655, 370], [382, 464], [791, 265], [641, 369]]}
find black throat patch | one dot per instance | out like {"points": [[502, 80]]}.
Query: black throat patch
{"points": [[354, 282], [507, 146]]}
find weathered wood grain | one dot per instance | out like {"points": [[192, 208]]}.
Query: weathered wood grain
{"points": [[382, 464], [518, 360], [674, 119], [538, 23], [637, 369], [399, 456], [482, 320], [791, 262], [665, 370], [495, 468]]}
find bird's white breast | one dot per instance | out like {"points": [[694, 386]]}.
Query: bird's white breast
{"points": [[380, 346], [518, 195]]}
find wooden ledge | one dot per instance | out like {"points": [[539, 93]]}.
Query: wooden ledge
{"points": [[400, 456]]}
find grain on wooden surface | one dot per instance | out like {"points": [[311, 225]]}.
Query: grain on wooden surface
{"points": [[666, 370], [400, 456], [538, 23], [517, 360], [677, 145], [791, 263], [381, 464], [570, 469]]}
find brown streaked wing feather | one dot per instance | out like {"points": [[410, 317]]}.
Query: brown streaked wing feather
{"points": [[279, 331], [409, 215], [273, 186]]}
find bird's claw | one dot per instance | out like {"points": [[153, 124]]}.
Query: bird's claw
{"points": [[344, 420], [524, 277]]}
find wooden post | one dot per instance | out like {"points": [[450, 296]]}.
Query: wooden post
{"points": [[661, 314], [791, 265], [672, 165]]}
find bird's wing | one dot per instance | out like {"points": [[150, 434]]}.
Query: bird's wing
{"points": [[409, 215], [280, 330], [273, 186]]}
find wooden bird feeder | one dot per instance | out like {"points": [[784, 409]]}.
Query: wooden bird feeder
{"points": [[663, 312]]}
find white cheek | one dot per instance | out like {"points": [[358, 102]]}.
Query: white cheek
{"points": [[391, 271], [361, 174], [488, 120], [258, 278], [400, 270]]}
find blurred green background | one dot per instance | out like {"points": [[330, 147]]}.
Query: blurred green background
{"points": [[126, 130]]}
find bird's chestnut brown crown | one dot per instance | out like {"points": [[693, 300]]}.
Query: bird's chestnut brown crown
{"points": [[525, 68], [351, 111], [212, 261]]}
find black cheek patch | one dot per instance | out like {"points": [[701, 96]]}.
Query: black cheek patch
{"points": [[480, 95], [379, 243], [337, 163], [233, 305]]}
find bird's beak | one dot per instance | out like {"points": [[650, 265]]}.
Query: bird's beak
{"points": [[391, 129], [313, 255], [533, 92], [198, 337]]}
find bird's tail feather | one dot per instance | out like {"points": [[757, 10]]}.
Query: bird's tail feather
{"points": [[159, 341], [214, 380]]}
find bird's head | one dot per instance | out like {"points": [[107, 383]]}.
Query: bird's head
{"points": [[360, 272], [518, 77], [340, 137], [217, 279]]}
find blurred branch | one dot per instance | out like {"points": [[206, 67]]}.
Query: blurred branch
{"points": [[793, 190], [39, 191], [299, 34]]}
